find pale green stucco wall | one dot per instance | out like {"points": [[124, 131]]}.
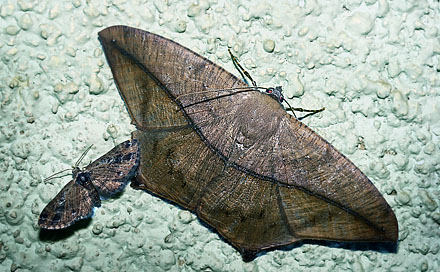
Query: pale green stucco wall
{"points": [[373, 64]]}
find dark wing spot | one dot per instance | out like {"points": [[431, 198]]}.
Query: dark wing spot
{"points": [[43, 216], [57, 217], [128, 157]]}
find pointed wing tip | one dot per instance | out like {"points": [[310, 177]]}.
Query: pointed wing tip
{"points": [[248, 255], [390, 227], [108, 34], [392, 234], [387, 231], [106, 30]]}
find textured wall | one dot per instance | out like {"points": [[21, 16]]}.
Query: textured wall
{"points": [[373, 64]]}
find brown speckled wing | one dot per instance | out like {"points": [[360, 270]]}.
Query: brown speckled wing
{"points": [[100, 180], [73, 203], [111, 172]]}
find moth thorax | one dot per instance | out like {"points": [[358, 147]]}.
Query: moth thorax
{"points": [[276, 93], [82, 178]]}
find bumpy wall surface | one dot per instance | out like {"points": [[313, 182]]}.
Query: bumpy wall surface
{"points": [[374, 65]]}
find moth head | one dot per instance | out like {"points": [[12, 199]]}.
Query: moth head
{"points": [[276, 93]]}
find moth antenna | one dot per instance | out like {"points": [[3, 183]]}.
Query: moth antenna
{"points": [[82, 156], [211, 90], [239, 88], [249, 89], [53, 176]]}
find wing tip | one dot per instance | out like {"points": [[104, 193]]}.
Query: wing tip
{"points": [[103, 33], [392, 234]]}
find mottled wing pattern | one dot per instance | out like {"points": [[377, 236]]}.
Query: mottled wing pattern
{"points": [[73, 203], [111, 172], [101, 179]]}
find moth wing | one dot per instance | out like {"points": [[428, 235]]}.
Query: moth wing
{"points": [[73, 203], [112, 171]]}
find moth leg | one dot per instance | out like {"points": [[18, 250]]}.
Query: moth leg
{"points": [[310, 112], [242, 71]]}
